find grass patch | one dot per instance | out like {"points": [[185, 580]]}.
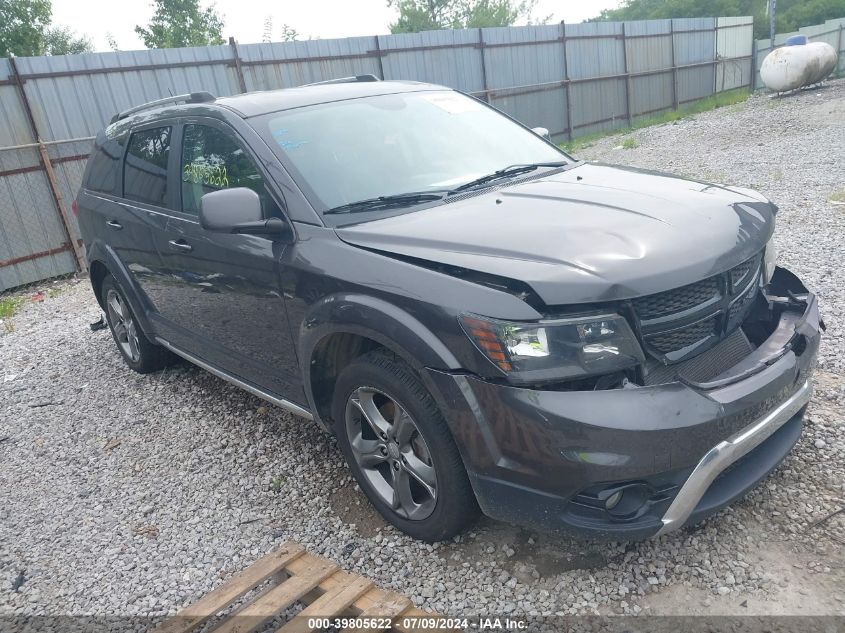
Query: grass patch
{"points": [[713, 102], [838, 196], [629, 143], [9, 306], [277, 482]]}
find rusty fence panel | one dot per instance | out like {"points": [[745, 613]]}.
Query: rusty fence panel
{"points": [[34, 243], [574, 79]]}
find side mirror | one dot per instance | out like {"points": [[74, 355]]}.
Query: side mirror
{"points": [[237, 210], [542, 131]]}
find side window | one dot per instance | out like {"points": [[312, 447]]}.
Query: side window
{"points": [[145, 170], [103, 171], [212, 160]]}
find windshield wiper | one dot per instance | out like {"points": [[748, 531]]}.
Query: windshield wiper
{"points": [[395, 201], [507, 172]]}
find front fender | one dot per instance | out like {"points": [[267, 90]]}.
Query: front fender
{"points": [[376, 319]]}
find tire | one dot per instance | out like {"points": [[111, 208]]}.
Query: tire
{"points": [[136, 349], [414, 454]]}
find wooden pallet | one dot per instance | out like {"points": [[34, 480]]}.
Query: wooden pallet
{"points": [[294, 575]]}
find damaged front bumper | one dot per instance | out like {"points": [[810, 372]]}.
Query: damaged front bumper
{"points": [[634, 462]]}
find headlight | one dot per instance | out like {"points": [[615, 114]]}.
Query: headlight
{"points": [[556, 349], [770, 260]]}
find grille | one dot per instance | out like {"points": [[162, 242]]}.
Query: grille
{"points": [[704, 366], [740, 306], [677, 324], [679, 339], [663, 303], [740, 273]]}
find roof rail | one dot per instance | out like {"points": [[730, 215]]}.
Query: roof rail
{"points": [[344, 80], [194, 97]]}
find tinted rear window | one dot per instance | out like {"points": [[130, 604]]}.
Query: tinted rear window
{"points": [[145, 170], [103, 172]]}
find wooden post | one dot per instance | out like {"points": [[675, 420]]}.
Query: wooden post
{"points": [[239, 71], [52, 181], [674, 67], [839, 51], [627, 77], [567, 84], [483, 66]]}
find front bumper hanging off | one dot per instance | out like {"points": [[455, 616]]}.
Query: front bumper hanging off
{"points": [[677, 451]]}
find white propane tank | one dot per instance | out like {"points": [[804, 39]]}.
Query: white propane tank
{"points": [[797, 64]]}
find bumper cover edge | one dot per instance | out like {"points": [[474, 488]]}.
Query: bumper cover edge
{"points": [[726, 452]]}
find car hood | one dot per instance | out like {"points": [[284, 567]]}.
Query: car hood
{"points": [[590, 233]]}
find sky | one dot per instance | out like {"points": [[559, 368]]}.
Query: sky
{"points": [[244, 19]]}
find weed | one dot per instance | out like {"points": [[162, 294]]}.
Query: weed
{"points": [[9, 306], [277, 482], [838, 196], [629, 143]]}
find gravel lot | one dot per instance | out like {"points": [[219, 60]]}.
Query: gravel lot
{"points": [[126, 494]]}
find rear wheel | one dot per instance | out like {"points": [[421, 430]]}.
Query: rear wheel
{"points": [[137, 350], [400, 450]]}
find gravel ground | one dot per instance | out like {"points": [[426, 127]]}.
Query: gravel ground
{"points": [[125, 494]]}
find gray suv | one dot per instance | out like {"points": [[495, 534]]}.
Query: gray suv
{"points": [[483, 321]]}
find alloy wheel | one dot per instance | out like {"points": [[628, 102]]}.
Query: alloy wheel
{"points": [[123, 325], [391, 452]]}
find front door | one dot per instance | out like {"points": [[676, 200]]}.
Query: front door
{"points": [[226, 305]]}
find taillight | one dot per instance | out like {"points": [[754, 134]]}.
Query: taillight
{"points": [[75, 208]]}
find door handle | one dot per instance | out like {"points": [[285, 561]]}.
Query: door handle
{"points": [[180, 245], [115, 225]]}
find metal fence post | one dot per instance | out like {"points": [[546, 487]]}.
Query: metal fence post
{"points": [[567, 84], [839, 51], [483, 66], [52, 181], [752, 81], [674, 67], [627, 77], [239, 71], [378, 58], [716, 59]]}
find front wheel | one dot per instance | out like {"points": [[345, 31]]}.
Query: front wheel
{"points": [[400, 450]]}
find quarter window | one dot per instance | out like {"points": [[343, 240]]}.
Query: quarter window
{"points": [[145, 171], [212, 160], [103, 171]]}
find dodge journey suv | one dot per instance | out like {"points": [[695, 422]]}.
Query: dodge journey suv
{"points": [[483, 321]]}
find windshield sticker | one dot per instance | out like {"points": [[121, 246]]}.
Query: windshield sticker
{"points": [[284, 141], [201, 173], [452, 103]]}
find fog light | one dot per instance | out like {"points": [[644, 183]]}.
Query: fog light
{"points": [[613, 500]]}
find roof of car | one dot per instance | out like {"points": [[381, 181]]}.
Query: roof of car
{"points": [[263, 102]]}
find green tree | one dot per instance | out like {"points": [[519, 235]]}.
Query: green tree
{"points": [[790, 14], [25, 31], [430, 15], [60, 40], [178, 23]]}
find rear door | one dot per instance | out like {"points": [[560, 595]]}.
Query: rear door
{"points": [[225, 305], [131, 216]]}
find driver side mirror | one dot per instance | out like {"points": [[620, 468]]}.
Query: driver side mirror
{"points": [[237, 210], [542, 131]]}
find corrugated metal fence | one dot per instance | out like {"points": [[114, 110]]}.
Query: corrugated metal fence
{"points": [[573, 79], [832, 32]]}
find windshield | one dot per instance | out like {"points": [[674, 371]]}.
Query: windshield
{"points": [[433, 141]]}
